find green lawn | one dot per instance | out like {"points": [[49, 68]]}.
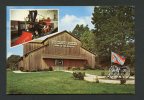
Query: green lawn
{"points": [[94, 72], [59, 83]]}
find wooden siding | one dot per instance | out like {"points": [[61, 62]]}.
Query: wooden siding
{"points": [[35, 61], [31, 46], [89, 56], [51, 49], [74, 63]]}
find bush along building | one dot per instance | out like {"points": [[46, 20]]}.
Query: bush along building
{"points": [[58, 50]]}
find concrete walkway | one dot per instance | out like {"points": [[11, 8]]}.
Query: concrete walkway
{"points": [[103, 79], [18, 71]]}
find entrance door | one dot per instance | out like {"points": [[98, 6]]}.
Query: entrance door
{"points": [[58, 64]]}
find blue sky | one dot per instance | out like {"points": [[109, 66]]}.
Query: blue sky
{"points": [[69, 16]]}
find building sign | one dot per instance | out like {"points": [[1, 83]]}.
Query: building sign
{"points": [[64, 44]]}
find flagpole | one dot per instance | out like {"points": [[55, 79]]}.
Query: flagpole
{"points": [[111, 58], [110, 64]]}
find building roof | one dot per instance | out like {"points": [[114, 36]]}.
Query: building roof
{"points": [[43, 39], [36, 41]]}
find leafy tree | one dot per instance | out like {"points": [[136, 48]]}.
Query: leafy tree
{"points": [[87, 39], [79, 30], [85, 35], [114, 31], [12, 61]]}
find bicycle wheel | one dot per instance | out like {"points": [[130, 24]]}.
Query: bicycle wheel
{"points": [[125, 72], [113, 72]]}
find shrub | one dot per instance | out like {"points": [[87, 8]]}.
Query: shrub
{"points": [[75, 68], [97, 80], [122, 81], [46, 69], [87, 67], [21, 69], [39, 69], [79, 75], [69, 68], [92, 68], [33, 70], [50, 68], [82, 68], [132, 73], [102, 73], [99, 67], [26, 70]]}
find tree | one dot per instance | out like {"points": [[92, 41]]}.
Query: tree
{"points": [[85, 35], [87, 39], [12, 61], [114, 31], [79, 30]]}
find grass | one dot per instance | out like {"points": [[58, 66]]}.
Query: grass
{"points": [[57, 82], [93, 72]]}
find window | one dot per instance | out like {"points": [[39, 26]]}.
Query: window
{"points": [[59, 62]]}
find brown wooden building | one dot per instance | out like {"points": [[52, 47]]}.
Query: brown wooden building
{"points": [[59, 50]]}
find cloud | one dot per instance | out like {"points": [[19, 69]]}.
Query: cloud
{"points": [[68, 22]]}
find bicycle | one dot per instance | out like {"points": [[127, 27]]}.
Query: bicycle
{"points": [[116, 72]]}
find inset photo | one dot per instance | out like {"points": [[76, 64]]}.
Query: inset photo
{"points": [[28, 24]]}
